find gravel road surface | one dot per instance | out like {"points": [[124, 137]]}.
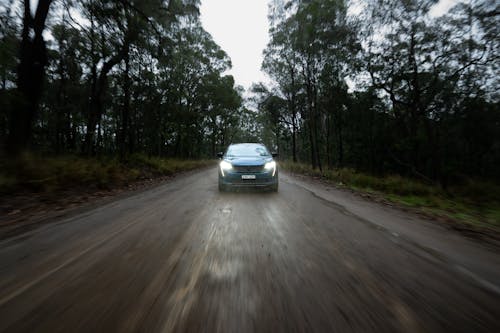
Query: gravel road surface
{"points": [[182, 257]]}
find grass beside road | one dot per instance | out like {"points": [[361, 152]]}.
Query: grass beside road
{"points": [[33, 173], [473, 204]]}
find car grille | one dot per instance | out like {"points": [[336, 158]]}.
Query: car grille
{"points": [[248, 168]]}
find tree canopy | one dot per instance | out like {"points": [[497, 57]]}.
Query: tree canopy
{"points": [[390, 89], [114, 77]]}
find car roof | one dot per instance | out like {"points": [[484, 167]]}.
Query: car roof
{"points": [[246, 143]]}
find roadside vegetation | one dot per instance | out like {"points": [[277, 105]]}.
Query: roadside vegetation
{"points": [[49, 175], [472, 203]]}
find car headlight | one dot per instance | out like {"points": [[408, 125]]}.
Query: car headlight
{"points": [[225, 166], [270, 166]]}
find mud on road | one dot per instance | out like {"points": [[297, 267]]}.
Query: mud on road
{"points": [[183, 257]]}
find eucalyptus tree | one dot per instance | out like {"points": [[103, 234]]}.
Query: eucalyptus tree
{"points": [[9, 30], [63, 100], [121, 24], [422, 98], [193, 84], [469, 111], [221, 104], [311, 45], [426, 67], [281, 63], [30, 74], [273, 113], [8, 41], [122, 77]]}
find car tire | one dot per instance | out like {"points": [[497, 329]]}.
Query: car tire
{"points": [[222, 188], [274, 188]]}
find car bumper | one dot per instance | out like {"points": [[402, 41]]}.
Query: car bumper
{"points": [[234, 179]]}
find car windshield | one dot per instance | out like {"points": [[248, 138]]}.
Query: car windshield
{"points": [[247, 150]]}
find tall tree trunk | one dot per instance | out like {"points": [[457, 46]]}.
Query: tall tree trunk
{"points": [[214, 135], [68, 131], [61, 101], [340, 146], [30, 76], [126, 135], [294, 114], [329, 160], [316, 117], [311, 137], [95, 109], [294, 138], [311, 121]]}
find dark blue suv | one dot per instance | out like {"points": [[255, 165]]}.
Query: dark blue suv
{"points": [[248, 165]]}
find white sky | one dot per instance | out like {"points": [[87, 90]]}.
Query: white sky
{"points": [[442, 7], [240, 27]]}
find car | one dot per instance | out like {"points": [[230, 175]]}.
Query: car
{"points": [[248, 165]]}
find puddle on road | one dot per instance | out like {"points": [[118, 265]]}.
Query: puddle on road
{"points": [[226, 210]]}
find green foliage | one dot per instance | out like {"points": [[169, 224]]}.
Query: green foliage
{"points": [[393, 184], [122, 78], [391, 90]]}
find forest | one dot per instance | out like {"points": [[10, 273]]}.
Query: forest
{"points": [[114, 78], [385, 86], [380, 86]]}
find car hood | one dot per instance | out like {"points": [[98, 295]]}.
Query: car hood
{"points": [[248, 161]]}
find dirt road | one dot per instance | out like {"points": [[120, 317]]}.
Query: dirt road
{"points": [[183, 257]]}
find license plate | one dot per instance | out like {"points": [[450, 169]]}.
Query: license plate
{"points": [[247, 176]]}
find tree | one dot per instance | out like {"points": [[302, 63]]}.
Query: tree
{"points": [[30, 75], [311, 42], [423, 68]]}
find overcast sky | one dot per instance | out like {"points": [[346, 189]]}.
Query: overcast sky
{"points": [[240, 27]]}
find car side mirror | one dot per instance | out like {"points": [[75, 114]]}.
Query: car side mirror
{"points": [[220, 154], [274, 154]]}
